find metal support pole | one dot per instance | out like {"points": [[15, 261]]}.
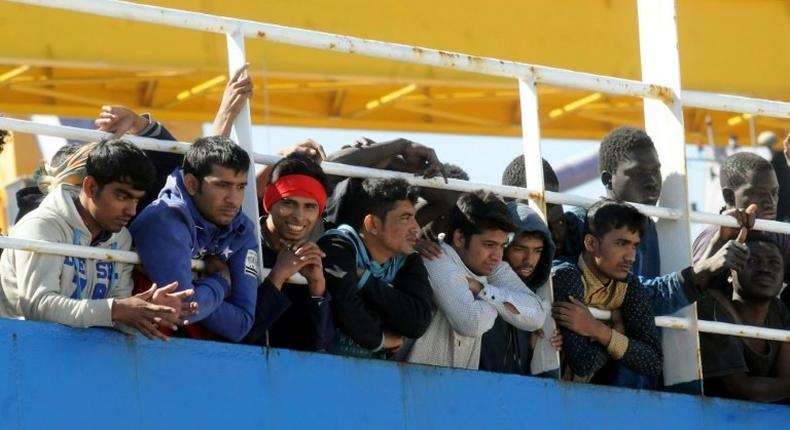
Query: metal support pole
{"points": [[545, 358], [664, 123], [242, 127]]}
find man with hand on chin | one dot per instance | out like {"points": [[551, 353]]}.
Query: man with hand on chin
{"points": [[289, 315]]}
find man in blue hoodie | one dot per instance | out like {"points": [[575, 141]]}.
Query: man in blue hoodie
{"points": [[197, 216]]}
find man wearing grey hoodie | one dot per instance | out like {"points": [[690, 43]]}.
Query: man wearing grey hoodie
{"points": [[506, 348]]}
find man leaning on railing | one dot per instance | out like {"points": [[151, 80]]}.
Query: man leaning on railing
{"points": [[84, 292]]}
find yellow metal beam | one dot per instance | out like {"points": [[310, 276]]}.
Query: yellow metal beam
{"points": [[194, 91], [384, 100], [468, 119], [576, 104], [13, 73], [61, 95]]}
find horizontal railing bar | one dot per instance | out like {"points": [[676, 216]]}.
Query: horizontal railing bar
{"points": [[88, 135], [65, 249], [129, 257], [728, 221], [76, 133], [730, 103], [355, 45], [413, 54], [713, 327]]}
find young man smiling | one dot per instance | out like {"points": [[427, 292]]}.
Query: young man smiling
{"points": [[84, 292], [197, 216], [379, 286], [290, 315], [472, 285]]}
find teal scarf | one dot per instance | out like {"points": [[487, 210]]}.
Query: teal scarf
{"points": [[342, 344], [385, 272]]}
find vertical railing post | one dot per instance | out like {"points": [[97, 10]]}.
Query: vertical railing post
{"points": [[242, 128], [664, 123], [545, 357]]}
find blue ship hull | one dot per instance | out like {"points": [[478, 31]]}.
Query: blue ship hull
{"points": [[54, 377]]}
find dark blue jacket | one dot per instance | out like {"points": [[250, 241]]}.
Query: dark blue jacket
{"points": [[290, 317], [171, 231]]}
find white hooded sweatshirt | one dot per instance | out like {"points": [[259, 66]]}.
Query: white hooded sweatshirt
{"points": [[69, 290]]}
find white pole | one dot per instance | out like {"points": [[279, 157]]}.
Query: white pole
{"points": [[546, 358], [242, 127], [658, 43], [664, 124]]}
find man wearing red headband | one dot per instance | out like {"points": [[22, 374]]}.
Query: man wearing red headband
{"points": [[291, 315]]}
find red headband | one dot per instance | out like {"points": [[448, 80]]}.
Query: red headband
{"points": [[294, 185]]}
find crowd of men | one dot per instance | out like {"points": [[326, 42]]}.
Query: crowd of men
{"points": [[394, 272]]}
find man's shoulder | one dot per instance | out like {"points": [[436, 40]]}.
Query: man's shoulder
{"points": [[336, 244], [778, 315], [161, 211], [122, 240], [566, 268], [711, 306], [42, 223]]}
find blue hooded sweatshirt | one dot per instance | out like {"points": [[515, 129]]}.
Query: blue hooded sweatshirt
{"points": [[170, 232]]}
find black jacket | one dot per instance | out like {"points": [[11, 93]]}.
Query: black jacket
{"points": [[362, 314]]}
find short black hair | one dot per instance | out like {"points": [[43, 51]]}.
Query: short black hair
{"points": [[735, 168], [65, 152], [4, 138], [377, 196], [607, 215], [117, 160], [618, 146], [455, 172], [515, 175], [476, 212], [209, 151], [299, 164]]}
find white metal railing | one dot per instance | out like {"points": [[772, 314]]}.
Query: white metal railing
{"points": [[83, 134], [75, 133], [714, 327], [411, 54], [528, 76]]}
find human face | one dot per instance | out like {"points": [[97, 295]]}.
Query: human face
{"points": [[555, 220], [614, 253], [481, 253], [397, 234], [761, 277], [524, 254], [637, 178], [760, 188], [219, 195], [113, 205], [293, 218]]}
